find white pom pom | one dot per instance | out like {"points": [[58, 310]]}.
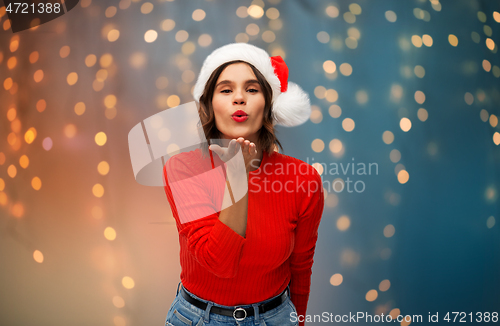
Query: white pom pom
{"points": [[292, 108]]}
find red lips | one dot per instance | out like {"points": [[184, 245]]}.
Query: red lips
{"points": [[240, 113], [240, 116]]}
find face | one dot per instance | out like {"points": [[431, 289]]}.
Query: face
{"points": [[236, 89]]}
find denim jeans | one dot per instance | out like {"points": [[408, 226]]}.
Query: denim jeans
{"points": [[183, 313]]}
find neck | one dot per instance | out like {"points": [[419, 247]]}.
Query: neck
{"points": [[257, 160]]}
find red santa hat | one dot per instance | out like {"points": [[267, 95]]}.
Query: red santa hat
{"points": [[291, 106]]}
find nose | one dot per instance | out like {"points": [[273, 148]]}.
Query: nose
{"points": [[239, 97]]}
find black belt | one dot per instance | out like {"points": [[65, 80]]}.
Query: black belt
{"points": [[238, 313]]}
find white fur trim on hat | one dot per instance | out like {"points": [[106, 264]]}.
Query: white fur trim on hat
{"points": [[290, 108]]}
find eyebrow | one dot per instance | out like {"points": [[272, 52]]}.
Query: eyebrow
{"points": [[250, 81]]}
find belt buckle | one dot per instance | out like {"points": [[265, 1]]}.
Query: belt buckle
{"points": [[234, 314]]}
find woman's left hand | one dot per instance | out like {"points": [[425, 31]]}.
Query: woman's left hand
{"points": [[249, 151]]}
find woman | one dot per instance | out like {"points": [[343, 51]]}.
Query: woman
{"points": [[247, 217]]}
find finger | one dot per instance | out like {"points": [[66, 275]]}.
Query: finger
{"points": [[246, 147], [215, 148], [253, 148], [233, 146]]}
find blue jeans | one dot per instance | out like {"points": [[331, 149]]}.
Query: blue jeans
{"points": [[183, 313]]}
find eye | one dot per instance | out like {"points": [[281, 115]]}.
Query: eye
{"points": [[225, 91], [253, 90]]}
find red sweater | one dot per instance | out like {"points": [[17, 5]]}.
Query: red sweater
{"points": [[285, 204]]}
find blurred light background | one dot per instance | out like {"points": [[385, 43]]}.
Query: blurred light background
{"points": [[410, 87]]}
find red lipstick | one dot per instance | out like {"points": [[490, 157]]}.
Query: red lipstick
{"points": [[240, 116]]}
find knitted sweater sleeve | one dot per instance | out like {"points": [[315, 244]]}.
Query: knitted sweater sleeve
{"points": [[310, 202], [212, 243]]}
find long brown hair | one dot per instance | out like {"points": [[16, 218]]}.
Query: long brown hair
{"points": [[267, 140]]}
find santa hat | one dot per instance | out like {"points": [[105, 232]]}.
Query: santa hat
{"points": [[291, 105]]}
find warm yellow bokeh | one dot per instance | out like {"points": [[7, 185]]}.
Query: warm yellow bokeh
{"points": [[335, 146], [128, 282], [17, 210], [419, 97], [64, 51], [403, 176], [70, 130], [110, 11], [101, 138], [422, 114], [198, 15], [118, 301], [110, 233], [490, 44], [493, 120], [496, 138], [147, 7], [110, 101], [388, 137], [90, 60], [38, 256], [453, 40], [332, 11], [371, 295], [255, 11], [317, 145], [36, 183], [41, 105], [335, 111], [320, 92], [106, 60], [24, 161], [11, 114], [272, 13], [103, 168], [167, 25], [395, 156], [173, 101], [336, 279], [405, 124], [348, 124], [389, 230], [30, 135], [384, 285], [329, 66], [331, 95], [150, 36], [316, 115], [38, 75], [113, 35], [11, 63], [318, 167], [12, 171], [34, 56], [3, 198], [72, 78], [80, 108], [343, 223], [98, 190]]}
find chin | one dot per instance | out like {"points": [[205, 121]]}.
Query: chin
{"points": [[235, 134]]}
